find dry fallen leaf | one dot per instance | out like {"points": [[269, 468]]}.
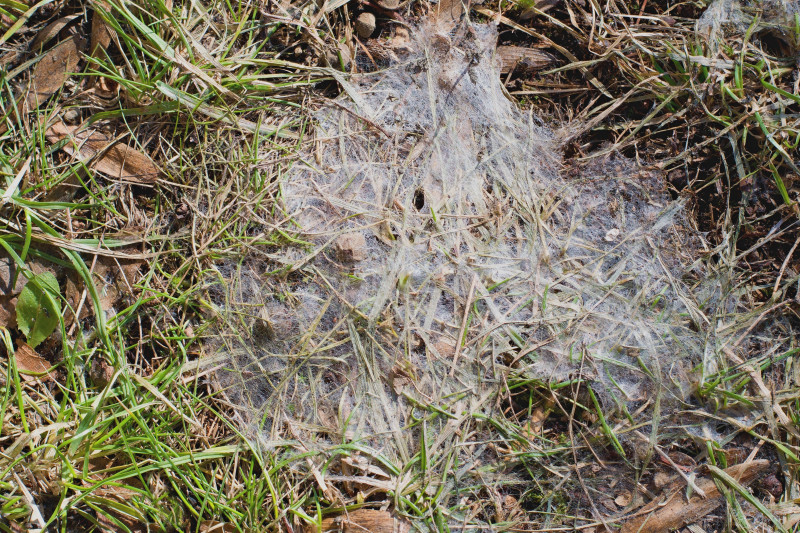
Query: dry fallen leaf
{"points": [[661, 479], [100, 39], [73, 293], [623, 499], [53, 70], [671, 511], [9, 270], [113, 279], [50, 31], [523, 59], [100, 372], [535, 424], [362, 520], [213, 526], [29, 362], [101, 33], [447, 14], [8, 313], [121, 504], [115, 160]]}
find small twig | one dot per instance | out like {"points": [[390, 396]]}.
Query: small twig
{"points": [[783, 266], [360, 117]]}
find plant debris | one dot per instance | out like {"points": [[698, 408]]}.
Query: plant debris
{"points": [[30, 364], [671, 511], [53, 70], [105, 154]]}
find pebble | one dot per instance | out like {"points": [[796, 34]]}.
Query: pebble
{"points": [[333, 58], [72, 116], [365, 25], [351, 248]]}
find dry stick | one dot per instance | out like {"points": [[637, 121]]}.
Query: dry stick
{"points": [[365, 119], [758, 320], [36, 517], [689, 480], [783, 266], [70, 245]]}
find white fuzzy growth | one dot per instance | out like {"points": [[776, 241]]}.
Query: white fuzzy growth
{"points": [[472, 237], [724, 17]]}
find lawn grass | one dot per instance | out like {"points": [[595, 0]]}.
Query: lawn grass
{"points": [[117, 423]]}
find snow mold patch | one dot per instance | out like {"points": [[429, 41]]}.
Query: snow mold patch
{"points": [[438, 252]]}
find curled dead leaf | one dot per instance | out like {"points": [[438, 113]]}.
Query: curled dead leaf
{"points": [[101, 152]]}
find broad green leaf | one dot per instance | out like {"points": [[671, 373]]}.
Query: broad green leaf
{"points": [[39, 308]]}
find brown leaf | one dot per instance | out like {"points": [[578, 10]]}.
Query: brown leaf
{"points": [[362, 520], [213, 526], [115, 160], [53, 70], [523, 59], [101, 372], [8, 311], [101, 33], [29, 362], [131, 517], [9, 269], [113, 279], [50, 31], [73, 294], [671, 511], [623, 498], [448, 13]]}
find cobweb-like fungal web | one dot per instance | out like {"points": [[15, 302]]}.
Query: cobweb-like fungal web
{"points": [[734, 16], [437, 252]]}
